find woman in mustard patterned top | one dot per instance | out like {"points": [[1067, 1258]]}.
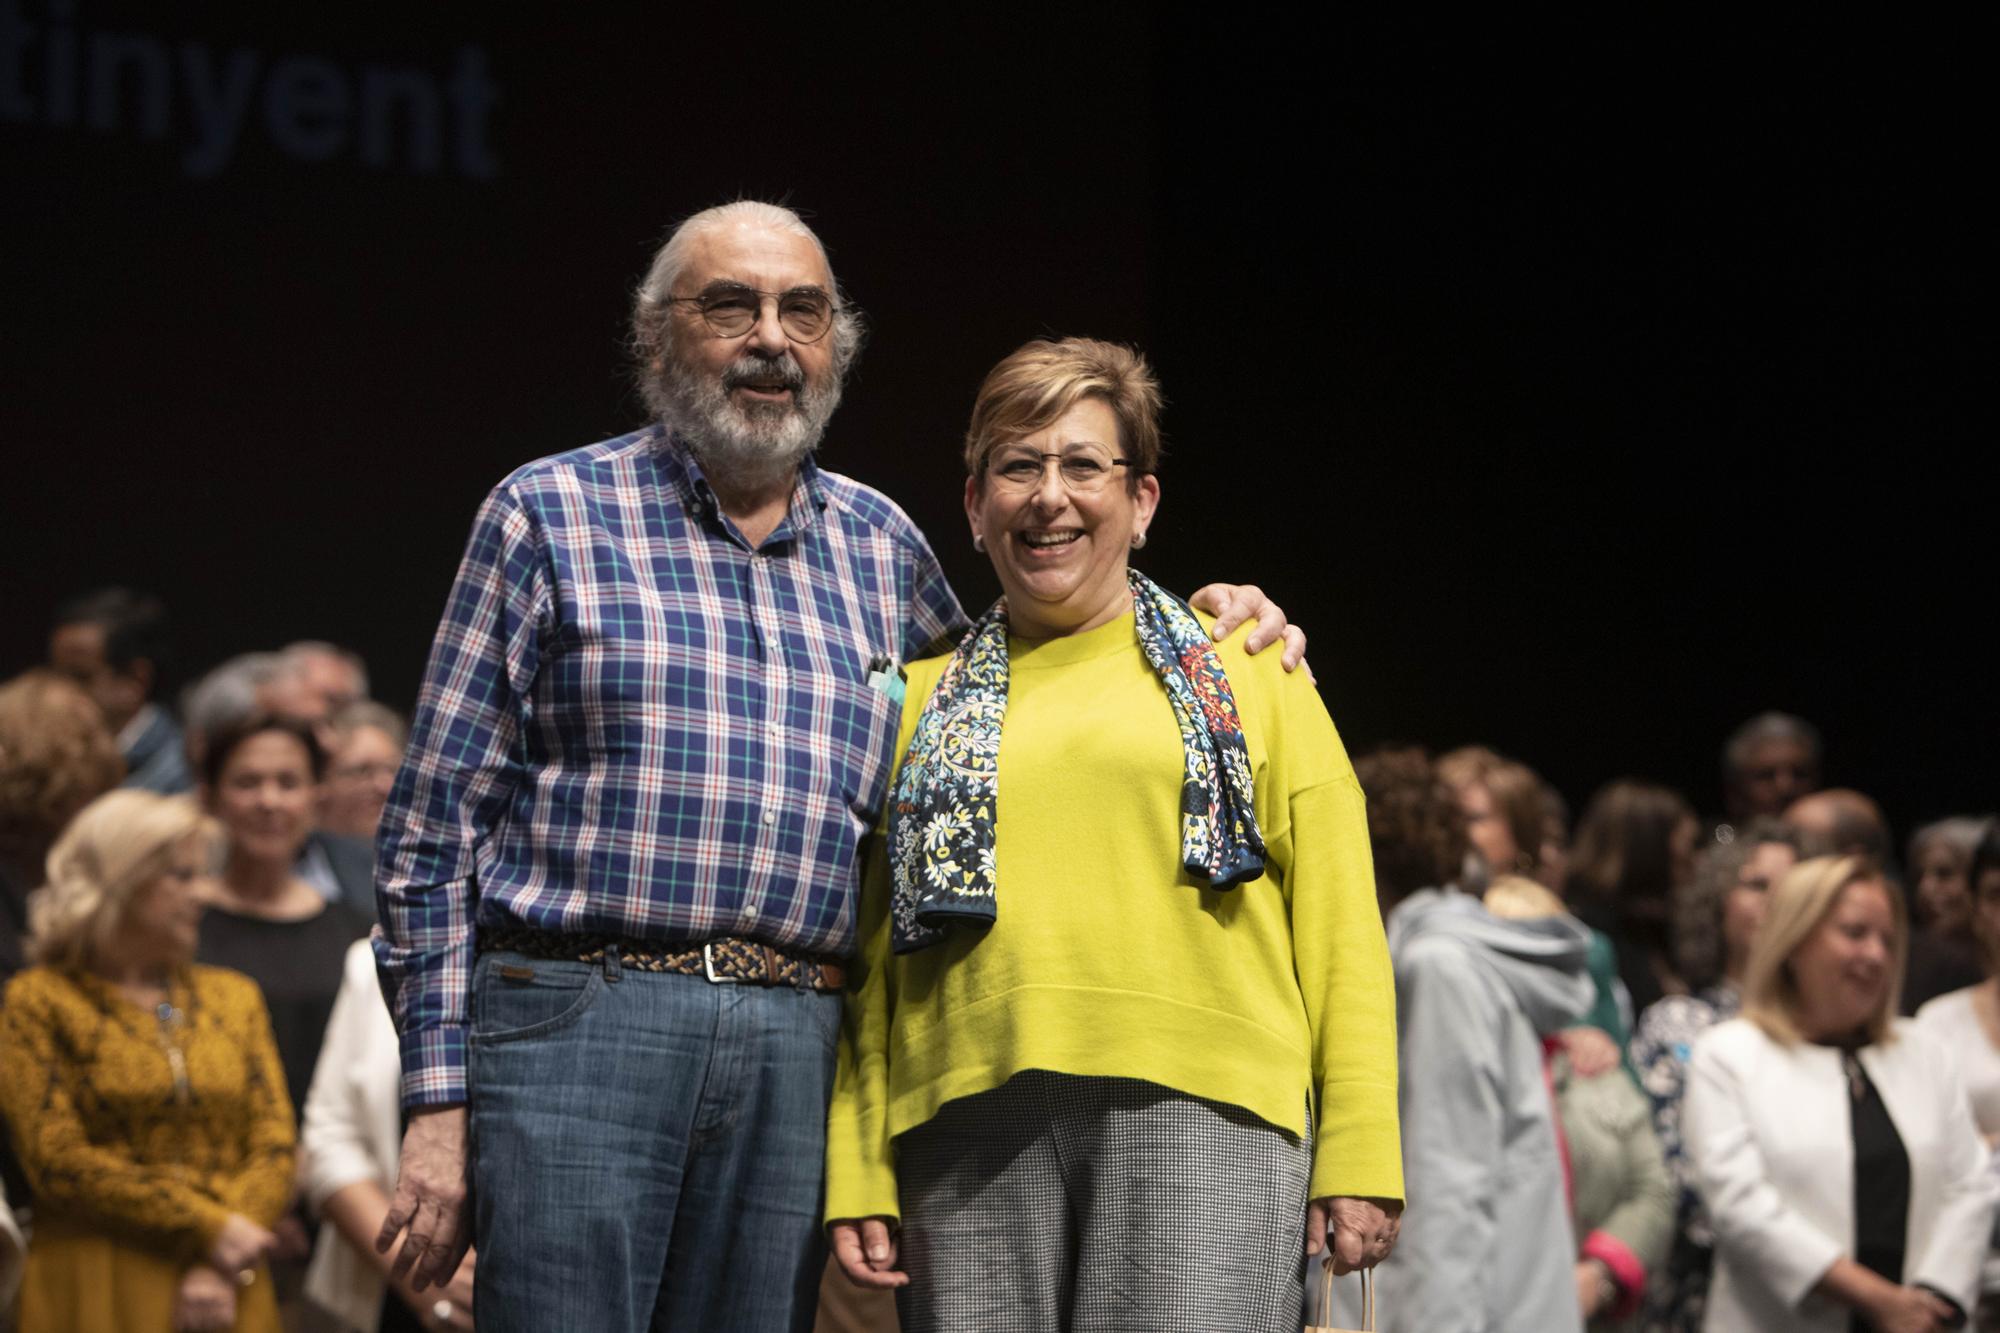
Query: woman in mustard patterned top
{"points": [[143, 1093]]}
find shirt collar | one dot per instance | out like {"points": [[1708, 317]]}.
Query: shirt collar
{"points": [[683, 470]]}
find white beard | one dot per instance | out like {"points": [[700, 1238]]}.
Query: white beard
{"points": [[750, 448]]}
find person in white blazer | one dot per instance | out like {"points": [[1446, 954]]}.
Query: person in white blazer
{"points": [[349, 1148], [1776, 1099]]}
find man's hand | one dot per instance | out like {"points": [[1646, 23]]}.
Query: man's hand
{"points": [[1364, 1230], [240, 1245], [206, 1301], [1233, 603], [865, 1248], [457, 1294], [430, 1201]]}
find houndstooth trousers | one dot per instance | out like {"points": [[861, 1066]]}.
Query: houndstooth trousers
{"points": [[1100, 1205]]}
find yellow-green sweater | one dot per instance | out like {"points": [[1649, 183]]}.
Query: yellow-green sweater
{"points": [[1109, 959]]}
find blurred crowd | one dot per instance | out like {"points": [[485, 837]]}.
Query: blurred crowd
{"points": [[1653, 1071]]}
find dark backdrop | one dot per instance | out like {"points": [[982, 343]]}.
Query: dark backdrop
{"points": [[1580, 397]]}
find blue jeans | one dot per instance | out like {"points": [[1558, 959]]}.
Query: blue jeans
{"points": [[647, 1150]]}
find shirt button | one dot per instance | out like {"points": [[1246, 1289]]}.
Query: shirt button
{"points": [[770, 816], [750, 912]]}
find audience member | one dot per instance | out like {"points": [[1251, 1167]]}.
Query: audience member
{"points": [[367, 747], [1843, 822], [114, 644], [1488, 1242], [1836, 1148], [1634, 844], [1716, 917], [1940, 893], [1505, 813], [56, 756], [144, 1092], [1621, 1198], [349, 1147], [330, 676], [238, 689], [1967, 1022], [1767, 763], [261, 783]]}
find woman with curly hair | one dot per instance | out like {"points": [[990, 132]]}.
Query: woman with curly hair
{"points": [[1123, 1015], [143, 1092], [56, 756], [1716, 915], [1491, 1244]]}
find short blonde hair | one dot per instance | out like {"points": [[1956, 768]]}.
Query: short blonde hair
{"points": [[1518, 898], [1041, 380], [116, 845], [1800, 904]]}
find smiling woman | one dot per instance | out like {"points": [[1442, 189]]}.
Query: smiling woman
{"points": [[1835, 1146], [1121, 912], [143, 1091]]}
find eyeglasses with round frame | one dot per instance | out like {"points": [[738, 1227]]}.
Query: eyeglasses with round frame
{"points": [[1083, 472], [731, 310]]}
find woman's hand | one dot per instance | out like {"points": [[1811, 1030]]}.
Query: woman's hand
{"points": [[454, 1296], [1589, 1287], [206, 1301], [1590, 1050], [1363, 1230], [1912, 1310], [865, 1249], [240, 1245]]}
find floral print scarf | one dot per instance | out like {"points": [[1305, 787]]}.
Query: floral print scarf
{"points": [[943, 810]]}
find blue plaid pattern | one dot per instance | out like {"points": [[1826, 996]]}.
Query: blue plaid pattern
{"points": [[634, 724]]}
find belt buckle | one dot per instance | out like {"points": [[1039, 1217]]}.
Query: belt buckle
{"points": [[708, 967]]}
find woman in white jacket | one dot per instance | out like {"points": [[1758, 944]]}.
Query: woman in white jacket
{"points": [[1835, 1146], [349, 1148]]}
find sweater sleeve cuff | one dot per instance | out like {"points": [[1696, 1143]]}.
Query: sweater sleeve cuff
{"points": [[1626, 1270], [434, 1067], [859, 1182], [1357, 1144]]}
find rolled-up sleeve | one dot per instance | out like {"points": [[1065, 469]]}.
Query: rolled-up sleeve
{"points": [[464, 764]]}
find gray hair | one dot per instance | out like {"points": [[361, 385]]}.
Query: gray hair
{"points": [[368, 713], [1767, 727], [295, 654], [227, 696], [1961, 833], [650, 307]]}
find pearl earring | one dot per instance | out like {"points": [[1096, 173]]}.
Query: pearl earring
{"points": [[978, 542], [1138, 540]]}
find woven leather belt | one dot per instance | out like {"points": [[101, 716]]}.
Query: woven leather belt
{"points": [[725, 961]]}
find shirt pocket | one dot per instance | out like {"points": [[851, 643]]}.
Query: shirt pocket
{"points": [[861, 737]]}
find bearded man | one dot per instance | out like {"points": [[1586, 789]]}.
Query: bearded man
{"points": [[617, 871]]}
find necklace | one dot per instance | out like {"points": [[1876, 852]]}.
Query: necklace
{"points": [[171, 1021], [1857, 1081]]}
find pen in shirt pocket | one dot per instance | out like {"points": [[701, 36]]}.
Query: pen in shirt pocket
{"points": [[885, 675]]}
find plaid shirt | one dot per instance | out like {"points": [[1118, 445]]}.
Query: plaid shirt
{"points": [[634, 724]]}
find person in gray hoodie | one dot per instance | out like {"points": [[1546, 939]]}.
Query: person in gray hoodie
{"points": [[1486, 1243]]}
